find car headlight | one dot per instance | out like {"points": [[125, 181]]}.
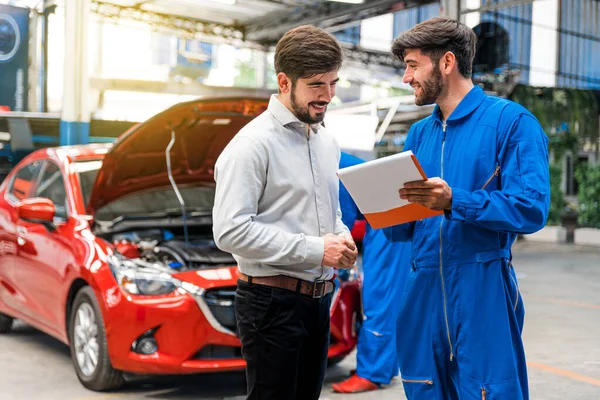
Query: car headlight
{"points": [[138, 282]]}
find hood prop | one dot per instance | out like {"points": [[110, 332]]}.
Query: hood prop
{"points": [[176, 189]]}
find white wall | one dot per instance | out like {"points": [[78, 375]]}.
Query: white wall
{"points": [[377, 33], [544, 43]]}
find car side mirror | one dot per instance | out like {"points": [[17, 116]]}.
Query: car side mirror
{"points": [[38, 210]]}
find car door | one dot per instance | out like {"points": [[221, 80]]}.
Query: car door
{"points": [[44, 255], [19, 187]]}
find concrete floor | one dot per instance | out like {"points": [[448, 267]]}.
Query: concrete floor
{"points": [[560, 286]]}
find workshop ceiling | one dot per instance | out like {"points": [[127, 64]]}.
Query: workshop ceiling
{"points": [[256, 21]]}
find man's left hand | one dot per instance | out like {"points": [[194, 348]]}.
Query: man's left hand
{"points": [[433, 193]]}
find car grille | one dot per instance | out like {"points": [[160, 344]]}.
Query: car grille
{"points": [[221, 304], [214, 352]]}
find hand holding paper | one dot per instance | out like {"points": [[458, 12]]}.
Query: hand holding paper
{"points": [[433, 193], [375, 186]]}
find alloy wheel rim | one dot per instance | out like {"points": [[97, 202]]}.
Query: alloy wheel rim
{"points": [[85, 334]]}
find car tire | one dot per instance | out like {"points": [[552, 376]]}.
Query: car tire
{"points": [[6, 323], [86, 321]]}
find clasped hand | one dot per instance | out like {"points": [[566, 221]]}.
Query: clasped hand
{"points": [[340, 251]]}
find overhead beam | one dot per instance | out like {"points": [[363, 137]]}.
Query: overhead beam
{"points": [[371, 57], [190, 26], [324, 15]]}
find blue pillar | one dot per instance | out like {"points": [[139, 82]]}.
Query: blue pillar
{"points": [[72, 132], [75, 116]]}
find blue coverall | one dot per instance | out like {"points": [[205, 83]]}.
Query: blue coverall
{"points": [[385, 267], [461, 311]]}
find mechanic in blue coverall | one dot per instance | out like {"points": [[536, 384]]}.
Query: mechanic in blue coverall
{"points": [[385, 267], [461, 310]]}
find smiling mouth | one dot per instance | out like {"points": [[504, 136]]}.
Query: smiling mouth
{"points": [[319, 107]]}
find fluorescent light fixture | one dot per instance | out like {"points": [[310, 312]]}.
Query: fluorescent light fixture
{"points": [[349, 1]]}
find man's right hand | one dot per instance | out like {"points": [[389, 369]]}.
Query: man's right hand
{"points": [[340, 251]]}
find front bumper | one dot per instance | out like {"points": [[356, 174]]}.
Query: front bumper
{"points": [[187, 341], [195, 331]]}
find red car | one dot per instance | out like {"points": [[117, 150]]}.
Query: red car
{"points": [[109, 248]]}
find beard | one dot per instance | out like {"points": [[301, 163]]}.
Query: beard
{"points": [[303, 113], [431, 88]]}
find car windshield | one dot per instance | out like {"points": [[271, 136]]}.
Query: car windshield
{"points": [[149, 202]]}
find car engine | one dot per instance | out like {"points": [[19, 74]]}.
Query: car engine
{"points": [[167, 251]]}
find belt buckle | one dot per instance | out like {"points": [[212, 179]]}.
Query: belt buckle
{"points": [[315, 286]]}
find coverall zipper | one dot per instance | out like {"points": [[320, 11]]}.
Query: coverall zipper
{"points": [[495, 174], [425, 381], [441, 254]]}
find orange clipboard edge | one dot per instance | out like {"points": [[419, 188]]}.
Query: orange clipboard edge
{"points": [[404, 214]]}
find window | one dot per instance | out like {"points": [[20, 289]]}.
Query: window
{"points": [[24, 181], [51, 186], [87, 172]]}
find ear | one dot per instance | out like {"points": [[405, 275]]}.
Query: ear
{"points": [[448, 63], [284, 82]]}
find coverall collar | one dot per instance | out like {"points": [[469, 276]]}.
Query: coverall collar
{"points": [[466, 106]]}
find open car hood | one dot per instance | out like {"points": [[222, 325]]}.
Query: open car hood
{"points": [[137, 162]]}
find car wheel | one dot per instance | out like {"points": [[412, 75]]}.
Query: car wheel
{"points": [[89, 351], [5, 323]]}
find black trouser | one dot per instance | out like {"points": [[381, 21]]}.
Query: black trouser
{"points": [[285, 338]]}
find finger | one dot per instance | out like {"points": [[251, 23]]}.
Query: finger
{"points": [[347, 264], [417, 184], [423, 200], [344, 262], [350, 243], [347, 252], [416, 191]]}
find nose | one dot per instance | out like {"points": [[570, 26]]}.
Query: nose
{"points": [[407, 78], [327, 94]]}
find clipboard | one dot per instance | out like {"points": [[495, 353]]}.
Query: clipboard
{"points": [[374, 186]]}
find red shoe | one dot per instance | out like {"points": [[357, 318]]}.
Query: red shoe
{"points": [[355, 384]]}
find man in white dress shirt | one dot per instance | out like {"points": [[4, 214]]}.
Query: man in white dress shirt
{"points": [[277, 211]]}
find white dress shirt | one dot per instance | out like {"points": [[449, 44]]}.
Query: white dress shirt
{"points": [[277, 196]]}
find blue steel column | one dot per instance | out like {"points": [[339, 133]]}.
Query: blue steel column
{"points": [[75, 117]]}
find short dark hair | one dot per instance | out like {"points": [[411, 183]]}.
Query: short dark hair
{"points": [[435, 37], [307, 51]]}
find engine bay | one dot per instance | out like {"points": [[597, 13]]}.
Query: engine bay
{"points": [[168, 251]]}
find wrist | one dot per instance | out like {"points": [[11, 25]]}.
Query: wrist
{"points": [[449, 201]]}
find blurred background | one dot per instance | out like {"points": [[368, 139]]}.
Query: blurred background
{"points": [[85, 70]]}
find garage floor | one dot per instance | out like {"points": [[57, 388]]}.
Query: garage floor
{"points": [[560, 287]]}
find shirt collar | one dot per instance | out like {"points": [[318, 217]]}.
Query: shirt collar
{"points": [[286, 117], [466, 106]]}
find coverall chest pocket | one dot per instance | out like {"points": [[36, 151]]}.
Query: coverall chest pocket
{"points": [[492, 181]]}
